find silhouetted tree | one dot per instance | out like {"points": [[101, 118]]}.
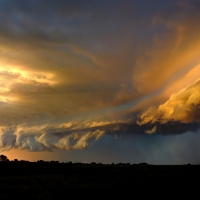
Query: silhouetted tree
{"points": [[54, 162], [3, 158], [142, 163], [40, 161]]}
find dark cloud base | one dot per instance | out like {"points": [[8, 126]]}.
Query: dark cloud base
{"points": [[169, 128]]}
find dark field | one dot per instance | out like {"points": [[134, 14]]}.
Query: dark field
{"points": [[64, 181]]}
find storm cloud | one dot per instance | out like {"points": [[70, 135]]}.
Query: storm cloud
{"points": [[72, 72]]}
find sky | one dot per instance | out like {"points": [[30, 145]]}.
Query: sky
{"points": [[105, 81]]}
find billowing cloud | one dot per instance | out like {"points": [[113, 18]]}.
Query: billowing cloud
{"points": [[181, 110], [44, 138], [182, 106]]}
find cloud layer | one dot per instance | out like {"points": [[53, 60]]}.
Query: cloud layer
{"points": [[71, 72]]}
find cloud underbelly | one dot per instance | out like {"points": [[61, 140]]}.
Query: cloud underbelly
{"points": [[46, 140]]}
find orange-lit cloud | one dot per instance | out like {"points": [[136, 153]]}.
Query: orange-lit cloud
{"points": [[175, 52], [178, 107]]}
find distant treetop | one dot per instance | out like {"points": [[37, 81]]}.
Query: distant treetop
{"points": [[3, 158]]}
